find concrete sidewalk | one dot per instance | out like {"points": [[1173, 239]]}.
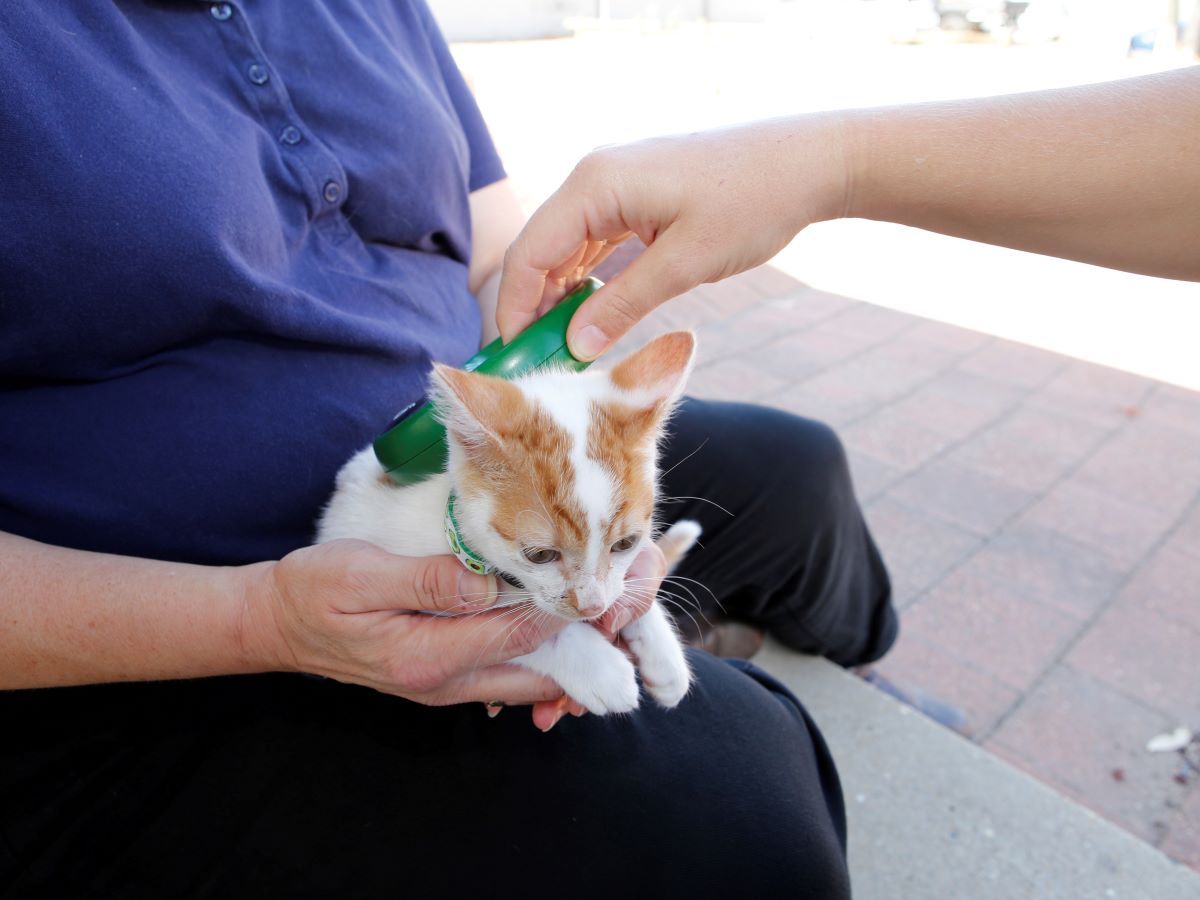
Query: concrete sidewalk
{"points": [[931, 816], [1040, 517]]}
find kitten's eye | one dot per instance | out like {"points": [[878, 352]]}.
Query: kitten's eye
{"points": [[539, 556], [625, 543]]}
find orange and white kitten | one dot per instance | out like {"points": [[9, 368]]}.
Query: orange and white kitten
{"points": [[554, 476]]}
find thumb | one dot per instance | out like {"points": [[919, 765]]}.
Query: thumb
{"points": [[378, 580], [442, 584], [661, 272]]}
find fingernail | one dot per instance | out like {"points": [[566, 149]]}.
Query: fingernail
{"points": [[478, 591], [493, 711], [589, 342], [558, 714]]}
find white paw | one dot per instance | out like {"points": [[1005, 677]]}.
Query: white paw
{"points": [[655, 645], [588, 668], [666, 677], [611, 688]]}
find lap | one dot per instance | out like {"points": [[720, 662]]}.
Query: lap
{"points": [[288, 785]]}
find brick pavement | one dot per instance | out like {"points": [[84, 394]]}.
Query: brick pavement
{"points": [[1040, 516]]}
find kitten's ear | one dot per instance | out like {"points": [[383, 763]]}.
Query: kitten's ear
{"points": [[475, 408], [656, 374]]}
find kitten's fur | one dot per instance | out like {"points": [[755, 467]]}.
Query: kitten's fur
{"points": [[554, 460]]}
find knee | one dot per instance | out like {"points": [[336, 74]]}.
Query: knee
{"points": [[812, 475]]}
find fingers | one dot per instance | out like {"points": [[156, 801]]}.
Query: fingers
{"points": [[642, 581], [510, 685], [658, 274], [563, 230], [378, 580], [550, 240], [547, 714]]}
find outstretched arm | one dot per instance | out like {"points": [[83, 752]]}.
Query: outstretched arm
{"points": [[1103, 173]]}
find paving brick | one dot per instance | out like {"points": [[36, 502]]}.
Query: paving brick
{"points": [[947, 337], [1089, 378], [1182, 840], [836, 406], [871, 477], [1048, 568], [914, 663], [1105, 396], [956, 403], [810, 305], [801, 355], [1144, 655], [732, 379], [895, 439], [918, 549], [1074, 733], [685, 312], [1186, 538], [1149, 464], [731, 295], [772, 321], [1029, 448], [1124, 531], [725, 338], [876, 323], [904, 369], [986, 623], [794, 312], [839, 395], [879, 376], [1014, 363], [770, 281], [965, 496], [1173, 406], [1169, 584], [926, 357]]}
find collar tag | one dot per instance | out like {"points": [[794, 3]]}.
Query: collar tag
{"points": [[468, 557]]}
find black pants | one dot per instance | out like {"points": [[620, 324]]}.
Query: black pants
{"points": [[288, 786]]}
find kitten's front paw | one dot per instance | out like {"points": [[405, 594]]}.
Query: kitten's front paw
{"points": [[588, 668], [611, 688], [667, 678], [660, 658]]}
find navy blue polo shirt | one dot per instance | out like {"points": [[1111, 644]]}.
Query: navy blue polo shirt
{"points": [[233, 236]]}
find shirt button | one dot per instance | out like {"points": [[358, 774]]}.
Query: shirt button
{"points": [[291, 135], [332, 192], [221, 11], [258, 73]]}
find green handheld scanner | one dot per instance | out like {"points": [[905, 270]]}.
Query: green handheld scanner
{"points": [[414, 446]]}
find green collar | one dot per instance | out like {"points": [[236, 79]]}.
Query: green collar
{"points": [[468, 557]]}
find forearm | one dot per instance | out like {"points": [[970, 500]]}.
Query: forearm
{"points": [[487, 297], [1103, 173], [72, 617]]}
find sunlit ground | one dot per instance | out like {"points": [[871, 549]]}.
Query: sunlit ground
{"points": [[549, 102]]}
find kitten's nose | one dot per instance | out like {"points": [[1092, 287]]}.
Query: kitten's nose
{"points": [[587, 603]]}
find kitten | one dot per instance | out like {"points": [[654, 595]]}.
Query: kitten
{"points": [[554, 477]]}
